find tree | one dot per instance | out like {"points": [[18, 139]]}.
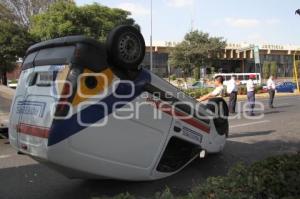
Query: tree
{"points": [[197, 49], [65, 18], [266, 70], [197, 73], [14, 40], [5, 13], [22, 10], [273, 68]]}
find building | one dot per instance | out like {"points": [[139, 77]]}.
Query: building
{"points": [[160, 59], [236, 57]]}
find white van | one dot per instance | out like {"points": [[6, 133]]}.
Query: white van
{"points": [[241, 77], [89, 111]]}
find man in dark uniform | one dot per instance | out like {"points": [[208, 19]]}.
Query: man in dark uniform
{"points": [[251, 93], [232, 90]]}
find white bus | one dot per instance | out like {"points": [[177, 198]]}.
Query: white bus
{"points": [[241, 77]]}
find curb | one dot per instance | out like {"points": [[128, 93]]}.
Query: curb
{"points": [[265, 96]]}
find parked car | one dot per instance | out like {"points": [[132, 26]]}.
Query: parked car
{"points": [[199, 84], [285, 87], [12, 83], [3, 125], [264, 88]]}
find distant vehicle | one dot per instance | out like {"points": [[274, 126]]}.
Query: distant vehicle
{"points": [[12, 84], [264, 88], [3, 125], [241, 77], [199, 84], [285, 87]]}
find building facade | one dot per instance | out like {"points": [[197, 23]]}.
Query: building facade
{"points": [[236, 57]]}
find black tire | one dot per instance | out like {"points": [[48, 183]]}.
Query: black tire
{"points": [[125, 47], [220, 115]]}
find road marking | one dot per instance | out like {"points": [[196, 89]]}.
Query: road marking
{"points": [[5, 156], [250, 124]]}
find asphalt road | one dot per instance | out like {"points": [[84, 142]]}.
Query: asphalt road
{"points": [[250, 140]]}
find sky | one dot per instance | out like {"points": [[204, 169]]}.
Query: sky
{"points": [[251, 21]]}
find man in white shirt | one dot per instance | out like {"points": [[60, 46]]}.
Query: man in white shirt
{"points": [[251, 93], [271, 88], [232, 89], [217, 92]]}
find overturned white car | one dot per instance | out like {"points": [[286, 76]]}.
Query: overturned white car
{"points": [[88, 110]]}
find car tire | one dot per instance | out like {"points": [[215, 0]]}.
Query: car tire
{"points": [[125, 47], [220, 115]]}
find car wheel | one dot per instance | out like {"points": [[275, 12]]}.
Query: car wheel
{"points": [[126, 47], [219, 108]]}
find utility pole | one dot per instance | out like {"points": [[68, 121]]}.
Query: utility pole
{"points": [[296, 72], [151, 50]]}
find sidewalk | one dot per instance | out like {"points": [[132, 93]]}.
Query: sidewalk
{"points": [[266, 95], [6, 92]]}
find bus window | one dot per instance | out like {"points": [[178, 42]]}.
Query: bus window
{"points": [[240, 77], [246, 77]]}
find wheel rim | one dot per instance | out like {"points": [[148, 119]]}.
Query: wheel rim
{"points": [[129, 47]]}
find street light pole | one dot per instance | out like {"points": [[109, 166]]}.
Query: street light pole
{"points": [[296, 72], [151, 50]]}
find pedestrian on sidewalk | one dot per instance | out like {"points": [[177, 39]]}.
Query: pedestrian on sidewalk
{"points": [[251, 93], [232, 90], [271, 89]]}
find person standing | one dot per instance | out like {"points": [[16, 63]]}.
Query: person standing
{"points": [[217, 92], [232, 90], [271, 89], [251, 93]]}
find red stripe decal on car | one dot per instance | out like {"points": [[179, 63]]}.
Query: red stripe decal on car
{"points": [[183, 117], [33, 130]]}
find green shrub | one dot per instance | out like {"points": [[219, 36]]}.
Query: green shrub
{"points": [[196, 93], [258, 89], [274, 177], [14, 81], [173, 77], [196, 73], [242, 90], [273, 69], [266, 70]]}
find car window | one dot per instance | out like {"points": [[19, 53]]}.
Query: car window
{"points": [[240, 77]]}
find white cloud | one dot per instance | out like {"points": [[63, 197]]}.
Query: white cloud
{"points": [[179, 3], [242, 22], [250, 23], [135, 9]]}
